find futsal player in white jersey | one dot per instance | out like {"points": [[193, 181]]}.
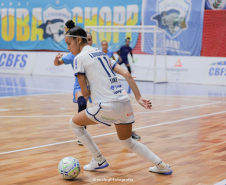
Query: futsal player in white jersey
{"points": [[111, 103]]}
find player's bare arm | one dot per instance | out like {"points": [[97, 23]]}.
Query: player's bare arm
{"points": [[143, 102], [82, 82], [58, 60]]}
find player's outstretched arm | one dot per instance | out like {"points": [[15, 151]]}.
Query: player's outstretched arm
{"points": [[83, 85], [143, 102], [58, 60]]}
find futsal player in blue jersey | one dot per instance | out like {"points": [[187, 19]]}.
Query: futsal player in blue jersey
{"points": [[123, 54], [77, 94], [104, 45]]}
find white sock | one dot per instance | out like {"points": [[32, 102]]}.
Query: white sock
{"points": [[161, 164], [141, 150], [86, 139]]}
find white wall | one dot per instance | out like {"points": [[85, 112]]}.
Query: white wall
{"points": [[196, 70], [44, 65]]}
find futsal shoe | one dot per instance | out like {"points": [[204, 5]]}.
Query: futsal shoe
{"points": [[95, 164], [166, 171], [135, 136], [80, 143]]}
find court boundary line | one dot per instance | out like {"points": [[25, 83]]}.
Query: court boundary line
{"points": [[149, 112], [32, 95], [160, 124], [3, 110], [168, 110], [171, 97], [154, 96], [44, 89]]}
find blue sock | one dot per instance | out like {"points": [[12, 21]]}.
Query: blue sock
{"points": [[82, 104]]}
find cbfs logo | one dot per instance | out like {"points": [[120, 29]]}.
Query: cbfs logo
{"points": [[172, 16], [218, 69], [54, 21], [12, 60]]}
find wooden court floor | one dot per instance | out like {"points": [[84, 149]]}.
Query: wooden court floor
{"points": [[189, 133]]}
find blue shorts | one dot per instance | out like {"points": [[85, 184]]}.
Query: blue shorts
{"points": [[123, 62], [76, 89]]}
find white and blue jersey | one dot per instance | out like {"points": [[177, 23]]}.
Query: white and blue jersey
{"points": [[68, 59], [98, 70]]}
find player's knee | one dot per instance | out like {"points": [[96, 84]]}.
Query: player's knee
{"points": [[128, 143], [126, 74], [73, 124], [81, 103], [124, 136]]}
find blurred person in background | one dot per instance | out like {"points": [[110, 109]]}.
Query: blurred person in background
{"points": [[123, 54], [104, 45]]}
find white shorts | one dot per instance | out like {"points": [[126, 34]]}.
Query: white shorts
{"points": [[112, 112]]}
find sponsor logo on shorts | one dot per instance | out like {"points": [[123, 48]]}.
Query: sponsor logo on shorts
{"points": [[107, 118], [130, 114]]}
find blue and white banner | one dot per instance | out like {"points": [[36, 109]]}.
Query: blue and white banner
{"points": [[216, 71], [182, 22], [17, 62], [215, 4], [39, 25]]}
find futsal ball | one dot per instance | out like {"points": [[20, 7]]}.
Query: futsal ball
{"points": [[69, 167]]}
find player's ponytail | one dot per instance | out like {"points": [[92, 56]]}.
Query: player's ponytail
{"points": [[76, 30], [70, 24]]}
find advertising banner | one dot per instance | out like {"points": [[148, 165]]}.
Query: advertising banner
{"points": [[182, 22], [215, 72], [17, 62], [40, 25], [186, 69], [215, 4]]}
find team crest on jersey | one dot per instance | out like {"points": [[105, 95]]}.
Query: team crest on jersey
{"points": [[54, 23], [172, 16]]}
